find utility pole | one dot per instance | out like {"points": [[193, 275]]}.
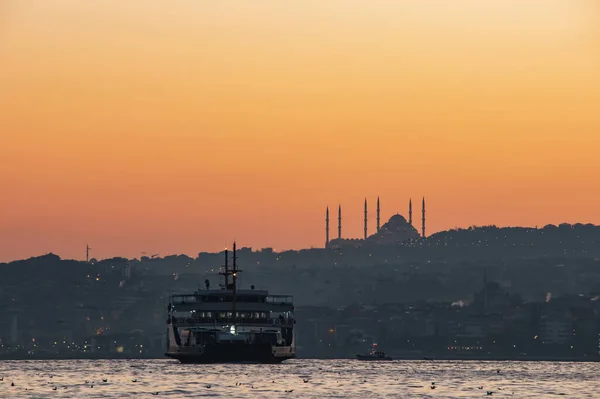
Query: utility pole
{"points": [[327, 227]]}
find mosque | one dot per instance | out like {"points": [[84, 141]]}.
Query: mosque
{"points": [[396, 230]]}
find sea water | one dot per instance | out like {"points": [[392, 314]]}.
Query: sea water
{"points": [[298, 379]]}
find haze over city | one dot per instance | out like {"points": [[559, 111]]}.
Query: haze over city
{"points": [[177, 127]]}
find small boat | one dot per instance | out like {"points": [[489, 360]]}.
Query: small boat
{"points": [[374, 355]]}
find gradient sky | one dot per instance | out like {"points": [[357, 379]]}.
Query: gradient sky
{"points": [[178, 126]]}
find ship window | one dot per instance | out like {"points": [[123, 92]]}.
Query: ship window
{"points": [[257, 315], [263, 315], [222, 315], [244, 315], [229, 314], [208, 314]]}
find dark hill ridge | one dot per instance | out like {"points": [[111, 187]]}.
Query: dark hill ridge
{"points": [[565, 235], [398, 237], [401, 241]]}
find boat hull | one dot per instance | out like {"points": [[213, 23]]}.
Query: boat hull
{"points": [[229, 353], [373, 358]]}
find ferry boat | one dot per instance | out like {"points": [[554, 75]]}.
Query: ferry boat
{"points": [[231, 325], [373, 355]]}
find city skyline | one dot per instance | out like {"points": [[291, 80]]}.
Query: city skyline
{"points": [[175, 128], [354, 237]]}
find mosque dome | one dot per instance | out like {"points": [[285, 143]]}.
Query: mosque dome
{"points": [[396, 230]]}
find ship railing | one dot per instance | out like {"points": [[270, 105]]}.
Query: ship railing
{"points": [[280, 299], [179, 299], [233, 320]]}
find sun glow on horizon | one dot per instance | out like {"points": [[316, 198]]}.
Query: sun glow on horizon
{"points": [[174, 127]]}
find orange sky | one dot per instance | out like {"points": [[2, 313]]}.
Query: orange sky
{"points": [[179, 126]]}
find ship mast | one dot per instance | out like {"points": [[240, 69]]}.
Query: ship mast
{"points": [[234, 273], [226, 273]]}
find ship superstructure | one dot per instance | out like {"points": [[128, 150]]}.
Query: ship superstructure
{"points": [[231, 324]]}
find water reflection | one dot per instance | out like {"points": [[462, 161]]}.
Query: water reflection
{"points": [[297, 378]]}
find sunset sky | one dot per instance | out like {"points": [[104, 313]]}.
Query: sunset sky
{"points": [[179, 126]]}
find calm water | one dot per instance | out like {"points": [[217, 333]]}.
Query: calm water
{"points": [[325, 378]]}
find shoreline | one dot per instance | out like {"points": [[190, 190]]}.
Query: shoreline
{"points": [[585, 359]]}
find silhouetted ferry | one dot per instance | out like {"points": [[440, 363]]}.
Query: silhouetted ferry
{"points": [[230, 325], [373, 355]]}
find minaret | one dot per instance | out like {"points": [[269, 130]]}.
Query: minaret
{"points": [[423, 220], [410, 211], [365, 218], [326, 227], [340, 221], [378, 209]]}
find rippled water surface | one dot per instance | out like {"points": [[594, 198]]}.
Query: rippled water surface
{"points": [[300, 378]]}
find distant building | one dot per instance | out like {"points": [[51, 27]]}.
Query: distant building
{"points": [[396, 230], [491, 298], [127, 271], [556, 329], [14, 325]]}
